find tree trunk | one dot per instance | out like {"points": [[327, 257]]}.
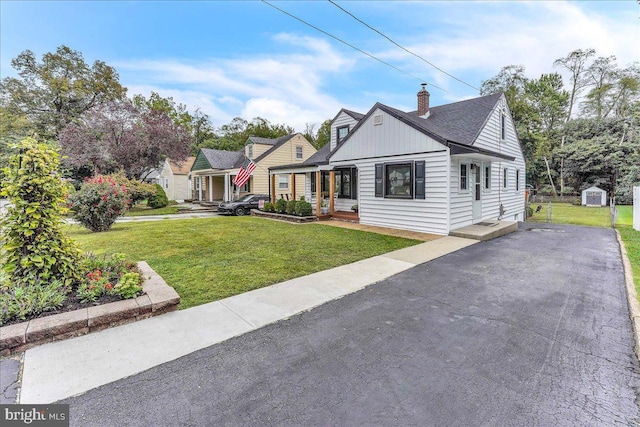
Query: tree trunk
{"points": [[555, 193]]}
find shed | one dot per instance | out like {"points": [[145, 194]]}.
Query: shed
{"points": [[594, 196]]}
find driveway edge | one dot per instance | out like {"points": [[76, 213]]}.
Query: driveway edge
{"points": [[632, 296]]}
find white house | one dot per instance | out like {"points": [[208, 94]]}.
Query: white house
{"points": [[174, 179], [433, 170], [594, 196]]}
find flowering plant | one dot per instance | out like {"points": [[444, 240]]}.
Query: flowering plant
{"points": [[99, 202]]}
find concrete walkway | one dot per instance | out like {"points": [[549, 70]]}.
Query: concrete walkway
{"points": [[66, 368]]}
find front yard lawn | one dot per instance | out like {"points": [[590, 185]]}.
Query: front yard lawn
{"points": [[213, 258], [144, 210]]}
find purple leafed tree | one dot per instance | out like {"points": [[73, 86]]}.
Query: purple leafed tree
{"points": [[117, 136]]}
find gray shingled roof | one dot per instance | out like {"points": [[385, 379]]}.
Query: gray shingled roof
{"points": [[276, 144], [319, 157], [221, 159], [353, 114], [265, 141]]}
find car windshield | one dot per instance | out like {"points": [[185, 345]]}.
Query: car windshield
{"points": [[245, 198]]}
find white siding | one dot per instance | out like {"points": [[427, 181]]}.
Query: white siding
{"points": [[426, 216], [391, 138], [511, 199], [343, 119]]}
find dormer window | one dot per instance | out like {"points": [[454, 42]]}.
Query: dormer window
{"points": [[342, 132]]}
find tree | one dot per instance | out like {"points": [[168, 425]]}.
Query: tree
{"points": [[176, 112], [35, 251], [233, 135], [59, 90], [323, 136], [576, 63], [117, 136]]}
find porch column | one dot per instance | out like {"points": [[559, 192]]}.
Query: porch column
{"points": [[293, 186], [318, 193], [273, 189], [199, 178], [211, 188], [226, 187], [332, 191]]}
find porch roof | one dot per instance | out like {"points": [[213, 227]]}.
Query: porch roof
{"points": [[460, 150]]}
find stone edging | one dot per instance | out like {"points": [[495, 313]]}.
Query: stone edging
{"points": [[159, 298], [632, 296]]}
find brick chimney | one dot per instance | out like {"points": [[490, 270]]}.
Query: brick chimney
{"points": [[423, 102]]}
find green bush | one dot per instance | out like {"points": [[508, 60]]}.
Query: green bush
{"points": [[281, 205], [269, 207], [34, 250], [138, 190], [158, 199], [99, 202], [529, 210], [304, 209], [291, 207], [129, 285]]}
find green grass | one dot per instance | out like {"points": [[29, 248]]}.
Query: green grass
{"points": [[209, 259], [625, 215], [143, 210], [631, 239], [565, 213]]}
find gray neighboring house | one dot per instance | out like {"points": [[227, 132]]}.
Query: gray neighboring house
{"points": [[432, 170]]}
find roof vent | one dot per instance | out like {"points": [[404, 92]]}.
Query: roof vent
{"points": [[377, 120]]}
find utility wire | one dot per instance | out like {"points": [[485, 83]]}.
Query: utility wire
{"points": [[351, 46], [401, 47]]}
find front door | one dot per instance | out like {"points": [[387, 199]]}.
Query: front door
{"points": [[476, 190]]}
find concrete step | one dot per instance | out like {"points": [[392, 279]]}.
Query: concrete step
{"points": [[485, 230]]}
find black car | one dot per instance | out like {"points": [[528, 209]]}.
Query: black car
{"points": [[243, 205]]}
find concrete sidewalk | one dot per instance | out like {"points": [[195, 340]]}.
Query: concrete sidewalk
{"points": [[66, 368]]}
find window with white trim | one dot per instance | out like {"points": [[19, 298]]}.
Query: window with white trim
{"points": [[400, 180], [283, 182], [298, 152], [464, 177], [250, 151]]}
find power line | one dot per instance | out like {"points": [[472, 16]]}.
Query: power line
{"points": [[401, 47], [351, 46]]}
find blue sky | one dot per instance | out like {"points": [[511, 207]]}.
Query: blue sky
{"points": [[247, 59]]}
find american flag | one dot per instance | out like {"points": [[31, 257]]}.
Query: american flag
{"points": [[244, 173]]}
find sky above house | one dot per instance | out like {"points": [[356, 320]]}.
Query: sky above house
{"points": [[248, 59]]}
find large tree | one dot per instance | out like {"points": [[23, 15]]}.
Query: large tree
{"points": [[59, 89], [118, 136], [233, 135]]}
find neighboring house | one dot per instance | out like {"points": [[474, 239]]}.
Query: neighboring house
{"points": [[213, 171], [433, 170], [174, 179]]}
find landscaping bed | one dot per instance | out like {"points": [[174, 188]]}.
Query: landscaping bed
{"points": [[283, 217], [158, 298]]}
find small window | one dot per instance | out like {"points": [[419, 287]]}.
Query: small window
{"points": [[197, 183], [299, 152], [503, 126], [283, 182], [398, 180], [517, 179], [487, 177], [250, 151], [505, 176], [342, 132], [464, 177]]}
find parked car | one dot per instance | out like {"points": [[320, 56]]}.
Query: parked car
{"points": [[243, 205]]}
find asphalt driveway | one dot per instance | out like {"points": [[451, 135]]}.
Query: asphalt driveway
{"points": [[529, 329]]}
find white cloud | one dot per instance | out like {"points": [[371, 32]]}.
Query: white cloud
{"points": [[285, 88]]}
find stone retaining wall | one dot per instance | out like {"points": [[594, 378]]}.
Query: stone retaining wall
{"points": [[159, 298]]}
